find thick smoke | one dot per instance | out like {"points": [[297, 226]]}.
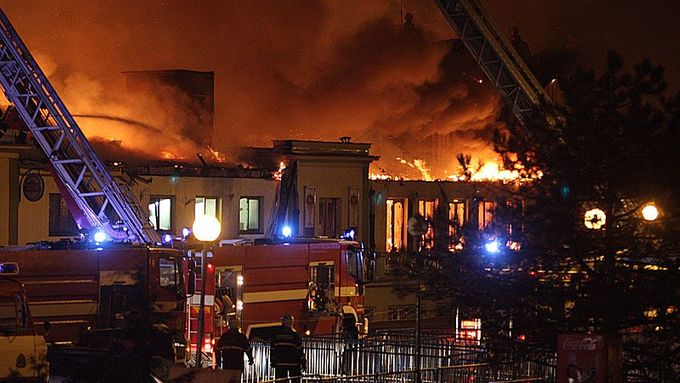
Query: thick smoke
{"points": [[284, 70]]}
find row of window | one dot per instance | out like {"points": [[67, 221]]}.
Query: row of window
{"points": [[457, 214], [161, 214]]}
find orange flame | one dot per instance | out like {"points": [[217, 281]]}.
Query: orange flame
{"points": [[168, 155], [216, 155], [489, 172]]}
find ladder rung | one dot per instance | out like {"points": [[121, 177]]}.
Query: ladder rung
{"points": [[91, 194], [41, 128], [70, 161]]}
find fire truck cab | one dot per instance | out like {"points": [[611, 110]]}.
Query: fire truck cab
{"points": [[22, 348]]}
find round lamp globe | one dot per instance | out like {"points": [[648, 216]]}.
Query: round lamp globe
{"points": [[206, 228], [650, 212]]}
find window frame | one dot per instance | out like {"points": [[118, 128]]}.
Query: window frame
{"points": [[458, 208], [172, 210], [390, 209], [486, 214], [427, 240], [175, 284], [260, 228], [218, 205]]}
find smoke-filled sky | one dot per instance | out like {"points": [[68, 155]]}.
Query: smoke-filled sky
{"points": [[315, 69]]}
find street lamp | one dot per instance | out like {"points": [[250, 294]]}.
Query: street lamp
{"points": [[594, 219], [206, 229], [650, 212]]}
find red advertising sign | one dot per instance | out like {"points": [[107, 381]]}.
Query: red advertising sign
{"points": [[587, 358]]}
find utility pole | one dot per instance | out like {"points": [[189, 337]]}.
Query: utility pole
{"points": [[418, 377], [206, 229], [201, 312]]}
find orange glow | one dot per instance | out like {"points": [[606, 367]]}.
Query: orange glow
{"points": [[216, 155], [167, 155], [490, 171], [401, 95]]}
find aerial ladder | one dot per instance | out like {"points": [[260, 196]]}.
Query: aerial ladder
{"points": [[103, 202], [496, 57]]}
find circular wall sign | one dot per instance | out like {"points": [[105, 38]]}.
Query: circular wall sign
{"points": [[33, 187]]}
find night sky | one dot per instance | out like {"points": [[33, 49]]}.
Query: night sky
{"points": [[315, 69]]}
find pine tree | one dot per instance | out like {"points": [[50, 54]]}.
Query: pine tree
{"points": [[613, 147]]}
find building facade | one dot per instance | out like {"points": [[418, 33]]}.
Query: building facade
{"points": [[331, 192]]}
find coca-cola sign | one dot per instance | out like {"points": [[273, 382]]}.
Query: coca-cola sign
{"points": [[582, 343], [588, 358]]}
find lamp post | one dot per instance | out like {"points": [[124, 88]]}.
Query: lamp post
{"points": [[206, 229]]}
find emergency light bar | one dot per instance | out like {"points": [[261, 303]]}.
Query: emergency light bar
{"points": [[9, 268]]}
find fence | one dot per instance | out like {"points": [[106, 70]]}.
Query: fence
{"points": [[392, 358]]}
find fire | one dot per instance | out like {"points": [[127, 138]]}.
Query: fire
{"points": [[489, 171], [216, 155], [419, 165], [382, 176], [168, 155]]}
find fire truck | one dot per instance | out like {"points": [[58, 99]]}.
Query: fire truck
{"points": [[318, 281], [116, 277], [110, 286], [22, 347]]}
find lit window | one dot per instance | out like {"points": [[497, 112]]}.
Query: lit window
{"points": [[426, 209], [207, 206], [167, 273], [249, 214], [160, 213], [395, 235], [322, 277], [456, 222], [514, 226], [60, 221], [486, 214]]}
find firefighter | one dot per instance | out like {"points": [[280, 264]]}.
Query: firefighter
{"points": [[287, 356], [230, 349]]}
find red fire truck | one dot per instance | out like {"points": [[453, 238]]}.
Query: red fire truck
{"points": [[319, 281], [108, 286]]}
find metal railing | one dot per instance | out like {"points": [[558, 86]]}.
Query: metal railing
{"points": [[479, 373], [392, 359]]}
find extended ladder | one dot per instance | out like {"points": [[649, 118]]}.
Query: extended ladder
{"points": [[101, 199], [495, 55]]}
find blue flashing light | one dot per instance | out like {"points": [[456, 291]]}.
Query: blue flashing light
{"points": [[286, 231], [492, 247], [9, 268], [100, 236], [185, 232], [167, 238], [349, 234]]}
